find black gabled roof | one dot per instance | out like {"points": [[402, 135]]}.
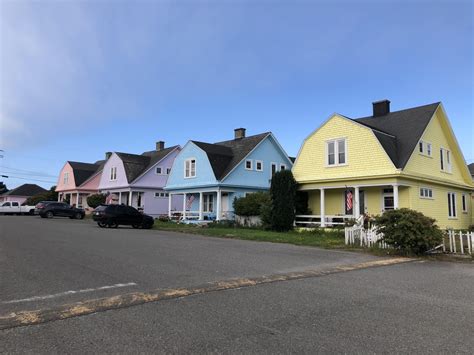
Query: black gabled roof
{"points": [[83, 171], [224, 156], [136, 164], [400, 131], [471, 169], [25, 190]]}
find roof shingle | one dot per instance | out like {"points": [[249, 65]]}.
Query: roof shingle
{"points": [[25, 190]]}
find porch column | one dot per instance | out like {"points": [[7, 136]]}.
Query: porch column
{"points": [[356, 203], [201, 217], [120, 197], [130, 197], [322, 213], [77, 200], [218, 204], [395, 196], [59, 197], [184, 206], [169, 205]]}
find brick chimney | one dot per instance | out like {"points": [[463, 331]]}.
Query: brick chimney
{"points": [[381, 108], [160, 145], [108, 155], [239, 133]]}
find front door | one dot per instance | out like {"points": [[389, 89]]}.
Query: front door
{"points": [[349, 202], [224, 204]]}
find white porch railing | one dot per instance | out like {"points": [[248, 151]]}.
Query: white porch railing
{"points": [[306, 221], [357, 235]]}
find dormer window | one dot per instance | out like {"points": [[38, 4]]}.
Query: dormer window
{"points": [[113, 173], [336, 152], [425, 148], [190, 168], [248, 165]]}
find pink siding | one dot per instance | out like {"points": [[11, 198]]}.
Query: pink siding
{"points": [[19, 199], [60, 186], [92, 184]]}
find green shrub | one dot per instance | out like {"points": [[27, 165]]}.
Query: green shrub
{"points": [[251, 204], [409, 231], [50, 195], [283, 196], [471, 228], [95, 200]]}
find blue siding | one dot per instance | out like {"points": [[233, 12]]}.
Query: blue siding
{"points": [[204, 173], [269, 152]]}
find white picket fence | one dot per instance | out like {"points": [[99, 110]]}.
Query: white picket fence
{"points": [[357, 235], [459, 242], [456, 242]]}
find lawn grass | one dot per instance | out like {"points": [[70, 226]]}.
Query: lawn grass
{"points": [[331, 239]]}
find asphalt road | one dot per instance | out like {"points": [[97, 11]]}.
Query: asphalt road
{"points": [[420, 307]]}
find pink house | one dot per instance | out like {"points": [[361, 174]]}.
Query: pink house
{"points": [[79, 180], [21, 193]]}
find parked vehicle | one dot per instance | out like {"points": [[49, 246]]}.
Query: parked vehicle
{"points": [[12, 207], [59, 209], [112, 216], [41, 205]]}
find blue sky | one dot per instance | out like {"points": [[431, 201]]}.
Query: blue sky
{"points": [[79, 78]]}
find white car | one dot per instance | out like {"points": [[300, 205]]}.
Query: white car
{"points": [[15, 208]]}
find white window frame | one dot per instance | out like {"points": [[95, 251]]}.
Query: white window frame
{"points": [[283, 166], [426, 148], [190, 161], [251, 164], [113, 173], [256, 165], [336, 141], [464, 203], [161, 170], [452, 212], [66, 178], [446, 165], [168, 171], [425, 193], [161, 194]]}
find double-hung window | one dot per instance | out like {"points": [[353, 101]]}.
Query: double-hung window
{"points": [[336, 152], [445, 160], [190, 168], [66, 178], [113, 173], [248, 165], [259, 165], [159, 170], [274, 169], [452, 205], [282, 167]]}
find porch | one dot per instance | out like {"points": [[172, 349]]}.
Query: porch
{"points": [[126, 197], [333, 206], [202, 205], [76, 198]]}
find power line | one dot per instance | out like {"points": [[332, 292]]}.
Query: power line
{"points": [[27, 171], [27, 174], [29, 179]]}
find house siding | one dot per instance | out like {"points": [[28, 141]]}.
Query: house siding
{"points": [[365, 156], [105, 182]]}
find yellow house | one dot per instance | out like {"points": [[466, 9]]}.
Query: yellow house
{"points": [[408, 158]]}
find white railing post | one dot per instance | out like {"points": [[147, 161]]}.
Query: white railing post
{"points": [[322, 212], [461, 242]]}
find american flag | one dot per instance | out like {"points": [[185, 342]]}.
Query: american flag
{"points": [[349, 200], [189, 202]]}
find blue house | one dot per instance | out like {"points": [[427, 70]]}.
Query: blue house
{"points": [[209, 176]]}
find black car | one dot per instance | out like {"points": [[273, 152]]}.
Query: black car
{"points": [[113, 215], [60, 209]]}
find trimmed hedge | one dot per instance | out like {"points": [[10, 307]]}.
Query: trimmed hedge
{"points": [[251, 205], [95, 200]]}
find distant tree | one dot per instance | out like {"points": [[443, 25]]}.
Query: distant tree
{"points": [[50, 195], [283, 195], [3, 188], [95, 200]]}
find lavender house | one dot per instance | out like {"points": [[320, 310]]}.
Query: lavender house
{"points": [[138, 179]]}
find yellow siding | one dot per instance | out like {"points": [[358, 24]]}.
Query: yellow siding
{"points": [[437, 133], [365, 155]]}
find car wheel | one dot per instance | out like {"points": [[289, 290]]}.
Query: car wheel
{"points": [[32, 212], [112, 224], [78, 216], [101, 224], [49, 214]]}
